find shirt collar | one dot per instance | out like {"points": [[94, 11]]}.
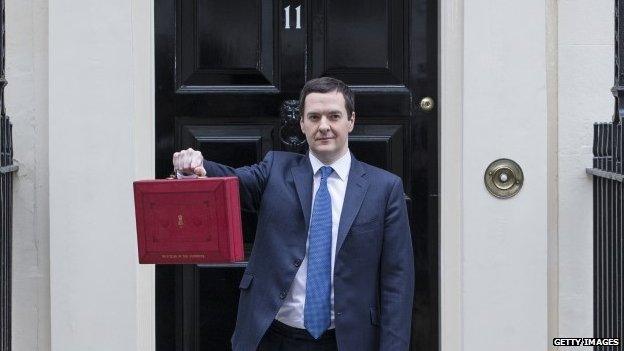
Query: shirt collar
{"points": [[341, 166]]}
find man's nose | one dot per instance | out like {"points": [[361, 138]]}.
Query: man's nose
{"points": [[324, 124]]}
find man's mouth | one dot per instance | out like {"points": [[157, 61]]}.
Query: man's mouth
{"points": [[327, 138]]}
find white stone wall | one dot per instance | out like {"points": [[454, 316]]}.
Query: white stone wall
{"points": [[585, 62], [83, 131], [504, 242], [530, 90], [100, 140], [27, 105]]}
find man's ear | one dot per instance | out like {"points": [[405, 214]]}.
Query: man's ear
{"points": [[352, 121], [301, 124]]}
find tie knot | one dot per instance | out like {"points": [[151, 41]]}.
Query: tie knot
{"points": [[326, 171]]}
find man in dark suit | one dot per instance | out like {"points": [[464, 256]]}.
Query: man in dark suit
{"points": [[332, 264]]}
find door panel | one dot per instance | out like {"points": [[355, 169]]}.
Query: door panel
{"points": [[235, 144], [359, 43], [225, 44], [225, 70], [380, 145]]}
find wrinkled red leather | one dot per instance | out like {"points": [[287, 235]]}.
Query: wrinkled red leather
{"points": [[188, 221]]}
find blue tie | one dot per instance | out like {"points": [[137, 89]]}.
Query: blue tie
{"points": [[316, 311]]}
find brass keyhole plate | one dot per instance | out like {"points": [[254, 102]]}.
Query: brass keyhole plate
{"points": [[503, 178]]}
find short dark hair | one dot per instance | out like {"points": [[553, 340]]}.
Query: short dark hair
{"points": [[325, 85]]}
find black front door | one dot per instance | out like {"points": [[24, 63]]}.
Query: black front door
{"points": [[228, 74]]}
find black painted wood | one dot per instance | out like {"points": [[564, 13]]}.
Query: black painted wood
{"points": [[380, 145], [360, 43], [225, 70], [224, 45]]}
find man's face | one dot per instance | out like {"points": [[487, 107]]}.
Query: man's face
{"points": [[326, 125]]}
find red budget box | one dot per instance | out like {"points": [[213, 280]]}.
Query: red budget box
{"points": [[188, 221]]}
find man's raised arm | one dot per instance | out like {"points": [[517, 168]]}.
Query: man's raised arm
{"points": [[252, 178]]}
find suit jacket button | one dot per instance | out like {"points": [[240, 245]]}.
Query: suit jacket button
{"points": [[282, 295], [297, 262]]}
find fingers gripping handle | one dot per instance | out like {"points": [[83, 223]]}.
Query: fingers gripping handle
{"points": [[188, 164]]}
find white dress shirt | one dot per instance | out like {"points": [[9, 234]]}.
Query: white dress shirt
{"points": [[291, 312]]}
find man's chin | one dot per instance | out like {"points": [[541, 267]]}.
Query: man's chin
{"points": [[323, 150], [325, 154]]}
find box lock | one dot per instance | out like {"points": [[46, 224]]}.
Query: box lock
{"points": [[503, 178]]}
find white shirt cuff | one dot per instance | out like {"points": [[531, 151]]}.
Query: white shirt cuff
{"points": [[180, 175]]}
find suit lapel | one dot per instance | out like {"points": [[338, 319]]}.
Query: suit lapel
{"points": [[302, 176], [357, 186]]}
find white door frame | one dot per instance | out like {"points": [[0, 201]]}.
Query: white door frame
{"points": [[451, 53], [144, 151]]}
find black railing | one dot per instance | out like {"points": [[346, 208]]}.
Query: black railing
{"points": [[607, 208], [6, 203], [608, 249]]}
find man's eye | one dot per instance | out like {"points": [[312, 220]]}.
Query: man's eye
{"points": [[335, 116]]}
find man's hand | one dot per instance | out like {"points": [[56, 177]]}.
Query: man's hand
{"points": [[188, 162]]}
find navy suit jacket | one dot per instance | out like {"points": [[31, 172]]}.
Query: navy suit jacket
{"points": [[374, 265]]}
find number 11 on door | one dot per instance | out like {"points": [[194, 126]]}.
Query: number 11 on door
{"points": [[287, 17]]}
